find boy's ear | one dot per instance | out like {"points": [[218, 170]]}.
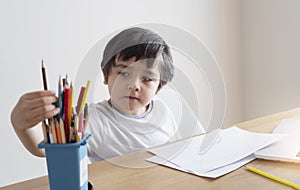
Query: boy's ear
{"points": [[105, 78]]}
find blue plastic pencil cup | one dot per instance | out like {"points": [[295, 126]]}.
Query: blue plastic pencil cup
{"points": [[67, 164]]}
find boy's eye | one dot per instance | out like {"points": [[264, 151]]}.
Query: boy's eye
{"points": [[147, 79], [124, 74]]}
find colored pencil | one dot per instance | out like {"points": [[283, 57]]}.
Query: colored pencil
{"points": [[71, 103], [62, 131], [272, 177], [67, 105], [57, 130], [44, 76], [44, 126], [79, 101], [85, 95], [47, 140], [60, 97], [53, 131], [81, 124]]}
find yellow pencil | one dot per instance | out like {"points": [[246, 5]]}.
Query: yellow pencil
{"points": [[283, 181], [84, 96], [71, 103]]}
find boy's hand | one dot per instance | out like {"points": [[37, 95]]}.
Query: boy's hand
{"points": [[33, 108]]}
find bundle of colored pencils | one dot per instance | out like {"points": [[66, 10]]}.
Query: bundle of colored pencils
{"points": [[69, 124]]}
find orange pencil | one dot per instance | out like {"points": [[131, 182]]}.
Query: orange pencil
{"points": [[57, 130]]}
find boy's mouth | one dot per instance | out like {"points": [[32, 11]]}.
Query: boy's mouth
{"points": [[132, 97]]}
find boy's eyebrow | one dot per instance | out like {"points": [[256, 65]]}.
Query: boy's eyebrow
{"points": [[122, 66], [151, 73]]}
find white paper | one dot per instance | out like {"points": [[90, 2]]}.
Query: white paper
{"points": [[232, 145], [288, 146], [212, 174]]}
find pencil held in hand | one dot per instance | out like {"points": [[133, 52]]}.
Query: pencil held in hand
{"points": [[45, 127], [44, 76]]}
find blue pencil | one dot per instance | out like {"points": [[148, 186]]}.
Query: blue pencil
{"points": [[60, 96]]}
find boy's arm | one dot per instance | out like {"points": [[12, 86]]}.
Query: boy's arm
{"points": [[30, 138], [31, 109]]}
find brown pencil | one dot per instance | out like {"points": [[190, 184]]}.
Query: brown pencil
{"points": [[44, 76], [45, 88]]}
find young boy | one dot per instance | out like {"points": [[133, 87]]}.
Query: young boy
{"points": [[136, 64]]}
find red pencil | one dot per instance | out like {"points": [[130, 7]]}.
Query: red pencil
{"points": [[67, 104]]}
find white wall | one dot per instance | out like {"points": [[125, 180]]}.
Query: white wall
{"points": [[271, 62], [61, 33]]}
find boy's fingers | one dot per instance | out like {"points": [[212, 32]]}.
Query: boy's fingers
{"points": [[40, 102], [46, 115], [31, 115], [42, 110], [37, 94]]}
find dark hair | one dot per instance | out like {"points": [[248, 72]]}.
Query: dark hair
{"points": [[141, 44]]}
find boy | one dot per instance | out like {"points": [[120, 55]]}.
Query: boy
{"points": [[136, 64]]}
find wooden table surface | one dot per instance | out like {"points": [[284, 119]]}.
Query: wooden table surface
{"points": [[131, 171]]}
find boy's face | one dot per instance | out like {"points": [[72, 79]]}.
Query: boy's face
{"points": [[132, 85]]}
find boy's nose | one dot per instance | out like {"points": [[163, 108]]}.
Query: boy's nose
{"points": [[134, 86]]}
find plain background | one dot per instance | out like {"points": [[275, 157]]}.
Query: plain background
{"points": [[255, 42]]}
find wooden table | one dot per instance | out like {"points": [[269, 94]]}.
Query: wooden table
{"points": [[130, 171]]}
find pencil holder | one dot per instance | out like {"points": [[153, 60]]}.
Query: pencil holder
{"points": [[67, 164]]}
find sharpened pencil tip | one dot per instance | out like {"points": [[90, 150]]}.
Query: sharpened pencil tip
{"points": [[43, 63]]}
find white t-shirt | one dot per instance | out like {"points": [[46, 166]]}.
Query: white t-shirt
{"points": [[116, 133]]}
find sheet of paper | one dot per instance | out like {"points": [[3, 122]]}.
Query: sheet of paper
{"points": [[212, 174], [232, 145], [288, 146]]}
